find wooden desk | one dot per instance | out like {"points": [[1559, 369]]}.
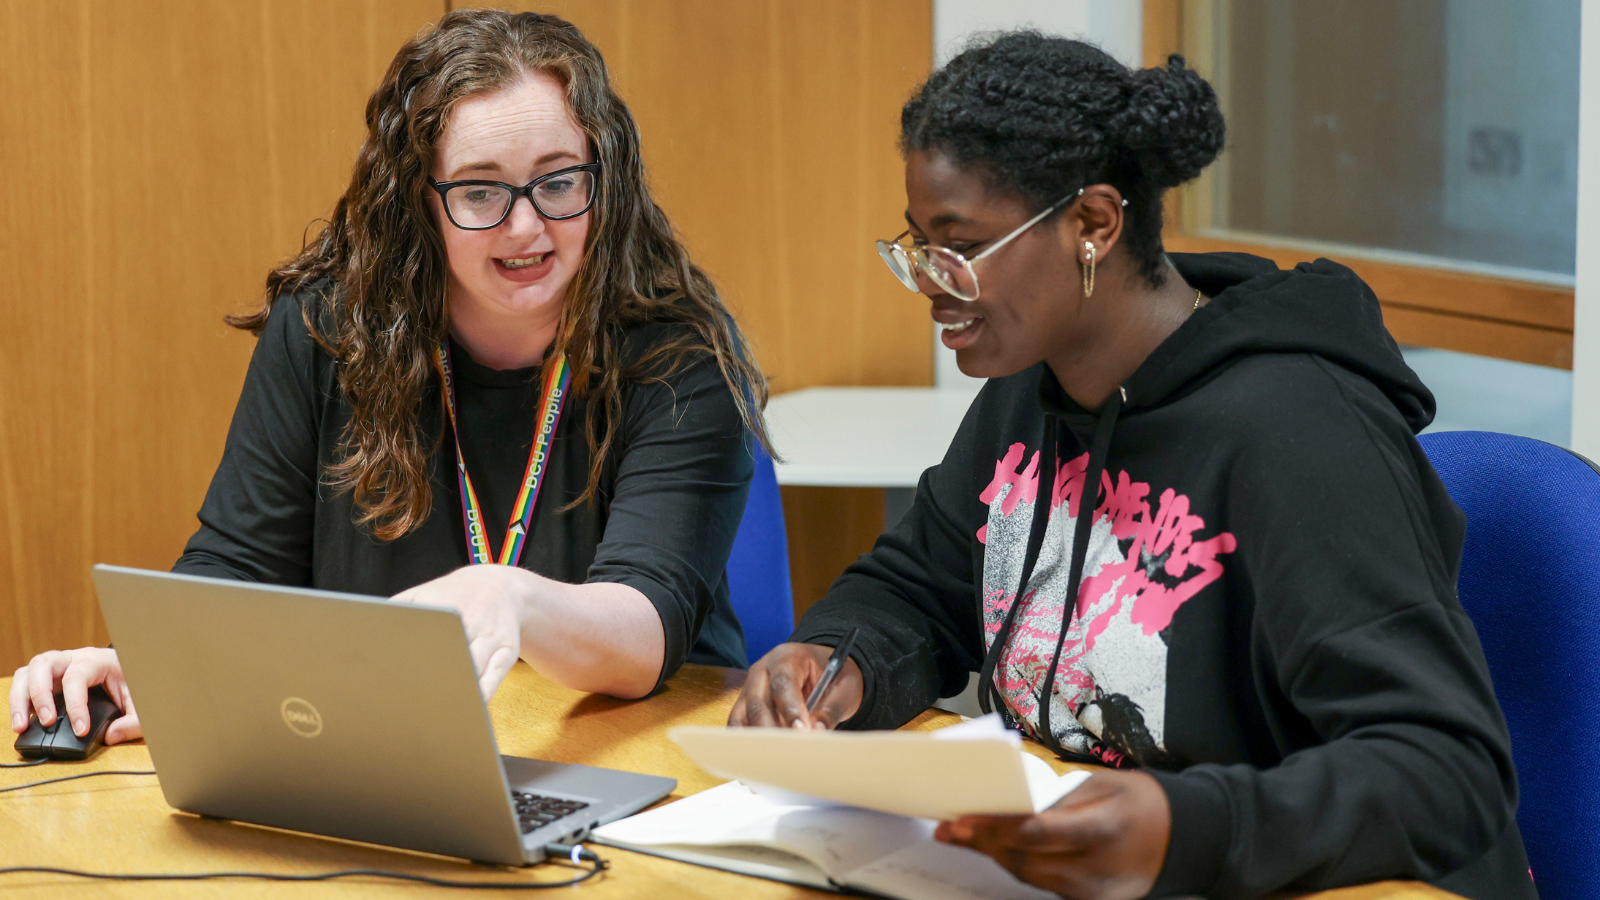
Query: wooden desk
{"points": [[121, 824]]}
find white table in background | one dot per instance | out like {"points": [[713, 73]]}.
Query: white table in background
{"points": [[881, 437]]}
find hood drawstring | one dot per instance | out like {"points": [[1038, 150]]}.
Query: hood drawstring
{"points": [[989, 695]]}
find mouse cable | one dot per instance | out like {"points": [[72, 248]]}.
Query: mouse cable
{"points": [[577, 852], [599, 865], [32, 784], [23, 765]]}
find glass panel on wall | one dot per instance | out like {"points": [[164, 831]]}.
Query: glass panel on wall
{"points": [[1447, 128]]}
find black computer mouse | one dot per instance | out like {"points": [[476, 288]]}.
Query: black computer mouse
{"points": [[56, 741]]}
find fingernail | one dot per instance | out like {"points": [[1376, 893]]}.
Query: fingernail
{"points": [[16, 721], [80, 727], [47, 717], [820, 725], [799, 724]]}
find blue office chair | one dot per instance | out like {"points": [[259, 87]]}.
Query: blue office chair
{"points": [[1530, 580], [758, 569]]}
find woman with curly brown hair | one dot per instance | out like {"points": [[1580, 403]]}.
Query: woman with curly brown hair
{"points": [[498, 353]]}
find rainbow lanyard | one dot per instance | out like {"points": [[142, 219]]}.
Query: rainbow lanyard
{"points": [[557, 374]]}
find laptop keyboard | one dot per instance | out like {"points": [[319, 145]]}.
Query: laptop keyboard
{"points": [[535, 811]]}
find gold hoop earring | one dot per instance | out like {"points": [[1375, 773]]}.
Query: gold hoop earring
{"points": [[1088, 270]]}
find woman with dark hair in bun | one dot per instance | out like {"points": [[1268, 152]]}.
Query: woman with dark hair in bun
{"points": [[1184, 532]]}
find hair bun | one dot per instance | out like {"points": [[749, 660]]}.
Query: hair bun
{"points": [[1172, 123]]}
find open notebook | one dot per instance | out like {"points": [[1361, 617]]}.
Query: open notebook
{"points": [[770, 832]]}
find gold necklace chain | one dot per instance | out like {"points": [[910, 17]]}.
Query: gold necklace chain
{"points": [[1197, 299]]}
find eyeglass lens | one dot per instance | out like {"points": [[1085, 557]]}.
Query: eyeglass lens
{"points": [[486, 205], [894, 256], [949, 272]]}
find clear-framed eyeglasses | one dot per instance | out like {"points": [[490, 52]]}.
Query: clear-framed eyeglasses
{"points": [[946, 268], [481, 205]]}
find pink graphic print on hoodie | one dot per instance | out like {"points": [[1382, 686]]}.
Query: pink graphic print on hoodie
{"points": [[1142, 564]]}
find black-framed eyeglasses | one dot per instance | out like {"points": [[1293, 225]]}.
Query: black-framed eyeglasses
{"points": [[481, 205]]}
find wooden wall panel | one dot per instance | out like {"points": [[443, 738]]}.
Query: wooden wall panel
{"points": [[315, 112], [45, 326], [184, 147], [181, 168], [769, 130], [778, 165]]}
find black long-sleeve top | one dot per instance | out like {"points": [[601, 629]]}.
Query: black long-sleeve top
{"points": [[1267, 619], [670, 500]]}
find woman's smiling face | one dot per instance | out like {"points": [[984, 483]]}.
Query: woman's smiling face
{"points": [[521, 269], [1027, 305]]}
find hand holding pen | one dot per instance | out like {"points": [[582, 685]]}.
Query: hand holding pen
{"points": [[831, 670], [791, 687]]}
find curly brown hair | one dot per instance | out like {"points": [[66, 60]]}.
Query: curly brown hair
{"points": [[384, 258]]}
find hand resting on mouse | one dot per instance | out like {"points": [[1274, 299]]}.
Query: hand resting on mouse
{"points": [[72, 673]]}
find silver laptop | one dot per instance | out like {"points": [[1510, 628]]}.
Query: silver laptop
{"points": [[339, 715]]}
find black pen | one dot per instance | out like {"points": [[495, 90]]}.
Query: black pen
{"points": [[835, 663]]}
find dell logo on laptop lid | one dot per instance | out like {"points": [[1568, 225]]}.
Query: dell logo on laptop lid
{"points": [[301, 717]]}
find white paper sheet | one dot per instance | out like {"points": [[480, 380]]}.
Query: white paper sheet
{"points": [[933, 871], [836, 839], [983, 727], [973, 768]]}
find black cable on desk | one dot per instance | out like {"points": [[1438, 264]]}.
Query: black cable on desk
{"points": [[23, 765], [578, 852], [599, 866], [31, 784]]}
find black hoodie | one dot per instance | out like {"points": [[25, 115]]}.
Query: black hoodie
{"points": [[1267, 619]]}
